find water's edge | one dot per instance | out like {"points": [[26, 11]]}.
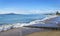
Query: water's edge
{"points": [[17, 25]]}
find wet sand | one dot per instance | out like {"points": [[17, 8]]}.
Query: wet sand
{"points": [[29, 32], [50, 33], [19, 31], [22, 31], [12, 32]]}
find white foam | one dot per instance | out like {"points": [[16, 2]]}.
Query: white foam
{"points": [[49, 17], [17, 25], [5, 27], [33, 22], [39, 21], [1, 28]]}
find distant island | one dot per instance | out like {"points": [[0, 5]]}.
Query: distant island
{"points": [[56, 13], [10, 14]]}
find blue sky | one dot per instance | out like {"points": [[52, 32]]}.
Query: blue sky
{"points": [[29, 6]]}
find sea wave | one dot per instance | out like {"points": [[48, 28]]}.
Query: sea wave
{"points": [[17, 25]]}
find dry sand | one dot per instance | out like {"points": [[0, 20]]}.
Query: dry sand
{"points": [[50, 33]]}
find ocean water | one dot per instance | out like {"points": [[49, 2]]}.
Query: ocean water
{"points": [[8, 21], [19, 18]]}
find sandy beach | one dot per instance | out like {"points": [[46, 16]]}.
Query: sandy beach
{"points": [[30, 32], [19, 31], [50, 33], [12, 32], [25, 31]]}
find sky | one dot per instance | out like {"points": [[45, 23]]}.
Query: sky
{"points": [[29, 6]]}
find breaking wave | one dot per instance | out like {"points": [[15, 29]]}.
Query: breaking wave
{"points": [[17, 25]]}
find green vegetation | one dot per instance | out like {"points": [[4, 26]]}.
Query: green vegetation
{"points": [[57, 13]]}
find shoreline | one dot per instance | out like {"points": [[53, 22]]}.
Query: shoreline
{"points": [[22, 31], [15, 27]]}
